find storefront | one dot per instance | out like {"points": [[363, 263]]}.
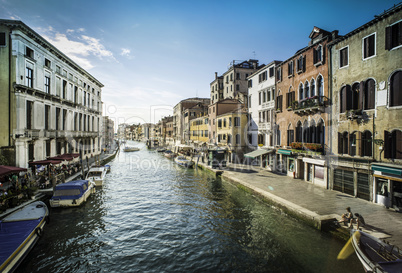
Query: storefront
{"points": [[285, 163], [262, 157], [387, 185], [315, 171]]}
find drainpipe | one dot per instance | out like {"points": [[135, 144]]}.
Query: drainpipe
{"points": [[9, 88], [330, 113]]}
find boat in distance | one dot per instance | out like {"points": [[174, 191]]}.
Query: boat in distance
{"points": [[71, 194], [130, 149], [19, 232], [376, 255], [97, 175], [184, 162], [169, 154]]}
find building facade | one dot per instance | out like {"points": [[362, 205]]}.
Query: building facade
{"points": [[50, 106], [107, 132], [302, 108], [367, 110]]}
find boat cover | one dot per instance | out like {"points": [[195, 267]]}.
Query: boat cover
{"points": [[392, 267], [70, 190], [13, 234]]}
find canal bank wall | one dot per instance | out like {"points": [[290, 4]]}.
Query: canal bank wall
{"points": [[316, 206]]}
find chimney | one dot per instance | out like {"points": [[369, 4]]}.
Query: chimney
{"points": [[216, 75]]}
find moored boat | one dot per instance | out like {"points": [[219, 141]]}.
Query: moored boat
{"points": [[130, 149], [169, 154], [107, 167], [71, 194], [184, 162], [97, 175], [19, 232], [376, 255], [160, 150]]}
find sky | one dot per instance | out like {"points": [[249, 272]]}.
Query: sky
{"points": [[151, 54]]}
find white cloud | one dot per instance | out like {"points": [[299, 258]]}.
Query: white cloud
{"points": [[125, 52], [79, 48]]}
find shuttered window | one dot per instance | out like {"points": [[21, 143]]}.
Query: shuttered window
{"points": [[369, 46], [369, 94], [366, 143], [363, 186], [2, 39], [393, 36], [290, 137], [396, 89], [343, 181], [344, 57], [393, 144]]}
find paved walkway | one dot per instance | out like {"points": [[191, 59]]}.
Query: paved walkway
{"points": [[310, 202]]}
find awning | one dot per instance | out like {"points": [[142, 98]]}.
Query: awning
{"points": [[284, 152], [44, 162], [257, 153], [4, 170], [386, 169], [67, 157]]}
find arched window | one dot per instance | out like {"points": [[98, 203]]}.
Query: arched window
{"points": [[312, 132], [345, 98], [369, 94], [306, 89], [290, 134], [393, 144], [352, 143], [299, 132], [301, 93], [355, 96], [320, 132], [312, 87], [306, 132], [320, 86], [395, 90], [366, 143]]}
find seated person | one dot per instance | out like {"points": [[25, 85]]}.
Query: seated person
{"points": [[346, 217], [359, 220]]}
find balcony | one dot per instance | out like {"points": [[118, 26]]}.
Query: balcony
{"points": [[50, 133], [354, 114], [32, 133], [264, 126], [309, 106], [307, 148]]}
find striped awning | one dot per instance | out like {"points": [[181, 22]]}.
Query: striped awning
{"points": [[257, 153]]}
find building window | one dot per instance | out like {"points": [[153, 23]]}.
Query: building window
{"points": [[393, 144], [290, 137], [369, 94], [29, 77], [290, 98], [271, 72], [2, 39], [366, 143], [318, 55], [393, 37], [47, 63], [343, 146], [320, 87], [237, 139], [344, 57], [259, 98], [47, 84], [279, 74], [29, 112], [31, 151], [237, 76], [47, 117], [29, 52], [301, 92], [237, 121], [290, 68], [237, 87], [312, 88], [301, 64], [279, 102], [306, 89], [395, 96], [47, 148], [250, 83], [369, 46]]}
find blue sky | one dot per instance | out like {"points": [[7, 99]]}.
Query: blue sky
{"points": [[151, 54]]}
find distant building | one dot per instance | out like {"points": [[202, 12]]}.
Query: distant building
{"points": [[199, 131], [178, 117], [107, 132], [49, 105]]}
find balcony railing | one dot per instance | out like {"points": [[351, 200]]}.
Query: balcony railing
{"points": [[309, 105], [308, 148]]}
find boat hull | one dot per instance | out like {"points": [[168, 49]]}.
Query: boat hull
{"points": [[184, 162], [73, 202], [16, 249]]}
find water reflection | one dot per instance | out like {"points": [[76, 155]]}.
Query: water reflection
{"points": [[154, 216]]}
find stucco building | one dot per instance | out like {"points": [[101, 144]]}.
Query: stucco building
{"points": [[49, 105], [366, 126]]}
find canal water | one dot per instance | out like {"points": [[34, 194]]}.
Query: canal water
{"points": [[154, 216]]}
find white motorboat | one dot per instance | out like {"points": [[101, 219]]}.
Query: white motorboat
{"points": [[97, 175], [19, 232], [184, 162], [72, 194]]}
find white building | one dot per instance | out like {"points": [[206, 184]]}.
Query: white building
{"points": [[261, 107], [49, 105]]}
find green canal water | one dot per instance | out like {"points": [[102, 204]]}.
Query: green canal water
{"points": [[154, 216]]}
